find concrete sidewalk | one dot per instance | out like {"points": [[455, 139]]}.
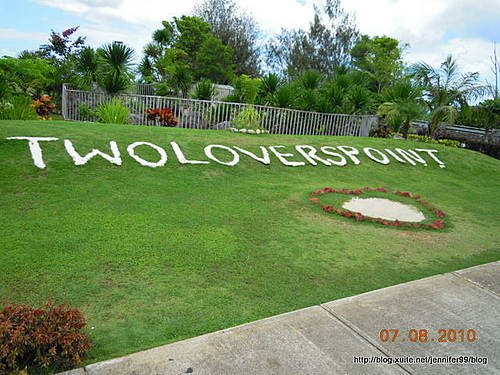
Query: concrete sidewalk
{"points": [[337, 337]]}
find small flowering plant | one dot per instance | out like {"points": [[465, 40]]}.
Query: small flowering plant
{"points": [[43, 107], [164, 116], [438, 223]]}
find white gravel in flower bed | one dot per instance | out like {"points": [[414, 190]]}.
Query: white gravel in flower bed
{"points": [[384, 209]]}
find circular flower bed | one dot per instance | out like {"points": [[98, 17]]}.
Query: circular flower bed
{"points": [[438, 223]]}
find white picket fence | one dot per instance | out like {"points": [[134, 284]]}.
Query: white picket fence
{"points": [[202, 114]]}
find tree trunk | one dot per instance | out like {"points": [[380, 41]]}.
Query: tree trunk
{"points": [[406, 129]]}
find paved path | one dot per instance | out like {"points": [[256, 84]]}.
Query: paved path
{"points": [[337, 337]]}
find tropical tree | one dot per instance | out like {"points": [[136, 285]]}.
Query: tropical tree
{"points": [[26, 76], [324, 47], [59, 50], [235, 29], [246, 90], [346, 91], [86, 66], [285, 96], [116, 60], [61, 46], [110, 67], [269, 85], [446, 91], [204, 90], [380, 58], [485, 115], [213, 61], [401, 105], [359, 101], [183, 51]]}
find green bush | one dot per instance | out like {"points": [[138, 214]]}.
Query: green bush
{"points": [[204, 90], [113, 112], [47, 338], [87, 113], [447, 142], [426, 139], [248, 118], [381, 132], [488, 148], [16, 109]]}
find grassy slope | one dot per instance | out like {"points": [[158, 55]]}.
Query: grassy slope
{"points": [[156, 255]]}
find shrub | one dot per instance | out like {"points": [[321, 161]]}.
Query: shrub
{"points": [[447, 142], [15, 109], [113, 112], [382, 132], [248, 118], [427, 139], [86, 113], [204, 90], [43, 107], [164, 116], [47, 338], [488, 148]]}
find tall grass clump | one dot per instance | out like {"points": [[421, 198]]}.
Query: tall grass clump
{"points": [[16, 109], [204, 90], [113, 112]]}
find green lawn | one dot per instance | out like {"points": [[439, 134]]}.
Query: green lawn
{"points": [[156, 255]]}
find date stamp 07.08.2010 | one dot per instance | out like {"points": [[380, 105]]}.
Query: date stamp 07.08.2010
{"points": [[424, 335]]}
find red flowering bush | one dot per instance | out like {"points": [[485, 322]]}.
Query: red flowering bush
{"points": [[164, 116], [49, 337], [436, 224], [66, 33]]}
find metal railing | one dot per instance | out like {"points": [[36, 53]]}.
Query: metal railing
{"points": [[78, 105]]}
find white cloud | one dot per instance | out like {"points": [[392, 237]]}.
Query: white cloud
{"points": [[274, 15], [406, 20], [472, 55], [11, 34], [433, 28], [6, 52], [129, 11]]}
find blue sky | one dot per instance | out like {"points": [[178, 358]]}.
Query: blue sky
{"points": [[433, 28]]}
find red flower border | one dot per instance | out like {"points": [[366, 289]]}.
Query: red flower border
{"points": [[437, 224]]}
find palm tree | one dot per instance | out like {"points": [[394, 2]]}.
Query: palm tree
{"points": [[402, 105], [116, 62], [86, 65], [311, 80], [446, 91], [182, 81], [269, 85]]}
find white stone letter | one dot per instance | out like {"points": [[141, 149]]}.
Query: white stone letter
{"points": [[310, 155], [80, 160], [383, 157], [431, 154], [265, 159], [182, 158], [395, 156], [236, 156], [326, 150], [350, 151], [411, 156], [281, 157], [35, 149], [141, 161]]}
